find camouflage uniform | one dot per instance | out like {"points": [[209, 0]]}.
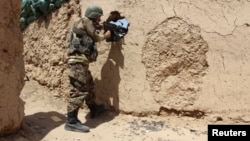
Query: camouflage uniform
{"points": [[83, 37], [82, 51]]}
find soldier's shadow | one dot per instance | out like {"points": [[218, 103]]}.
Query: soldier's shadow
{"points": [[38, 125], [107, 88]]}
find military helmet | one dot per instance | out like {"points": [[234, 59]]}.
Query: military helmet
{"points": [[93, 12]]}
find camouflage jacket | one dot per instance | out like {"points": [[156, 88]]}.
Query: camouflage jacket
{"points": [[81, 42]]}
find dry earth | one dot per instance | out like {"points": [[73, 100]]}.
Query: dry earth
{"points": [[45, 115], [186, 60]]}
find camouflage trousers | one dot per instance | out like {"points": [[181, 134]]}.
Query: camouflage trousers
{"points": [[81, 86]]}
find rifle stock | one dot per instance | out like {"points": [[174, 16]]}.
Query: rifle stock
{"points": [[117, 32], [111, 27]]}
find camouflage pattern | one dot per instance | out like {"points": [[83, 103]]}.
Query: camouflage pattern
{"points": [[81, 81], [81, 86]]}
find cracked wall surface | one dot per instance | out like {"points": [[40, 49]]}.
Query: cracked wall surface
{"points": [[225, 27], [217, 77], [175, 59]]}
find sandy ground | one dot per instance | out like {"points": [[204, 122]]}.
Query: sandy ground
{"points": [[45, 116], [225, 87]]}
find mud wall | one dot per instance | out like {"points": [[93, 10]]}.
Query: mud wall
{"points": [[175, 59], [45, 47], [11, 67], [182, 55]]}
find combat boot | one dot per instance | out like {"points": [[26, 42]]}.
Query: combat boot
{"points": [[72, 124], [96, 110], [76, 115]]}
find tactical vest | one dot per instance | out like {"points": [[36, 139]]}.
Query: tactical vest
{"points": [[80, 43]]}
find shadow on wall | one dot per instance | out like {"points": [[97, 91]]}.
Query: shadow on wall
{"points": [[107, 89], [38, 125]]}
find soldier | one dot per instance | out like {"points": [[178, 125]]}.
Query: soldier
{"points": [[82, 51]]}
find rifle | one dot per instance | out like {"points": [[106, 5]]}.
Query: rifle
{"points": [[117, 25], [112, 27], [117, 32]]}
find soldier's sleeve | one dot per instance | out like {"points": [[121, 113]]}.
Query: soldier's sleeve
{"points": [[79, 27], [92, 32]]}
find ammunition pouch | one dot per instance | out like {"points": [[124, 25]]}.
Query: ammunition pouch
{"points": [[82, 44]]}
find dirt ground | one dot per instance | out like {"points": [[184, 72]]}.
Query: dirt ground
{"points": [[45, 116], [207, 69]]}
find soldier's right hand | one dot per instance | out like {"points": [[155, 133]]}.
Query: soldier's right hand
{"points": [[107, 34]]}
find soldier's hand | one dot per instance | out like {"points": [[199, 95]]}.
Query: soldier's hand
{"points": [[102, 26], [107, 34]]}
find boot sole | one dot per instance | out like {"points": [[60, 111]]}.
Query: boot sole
{"points": [[75, 130]]}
